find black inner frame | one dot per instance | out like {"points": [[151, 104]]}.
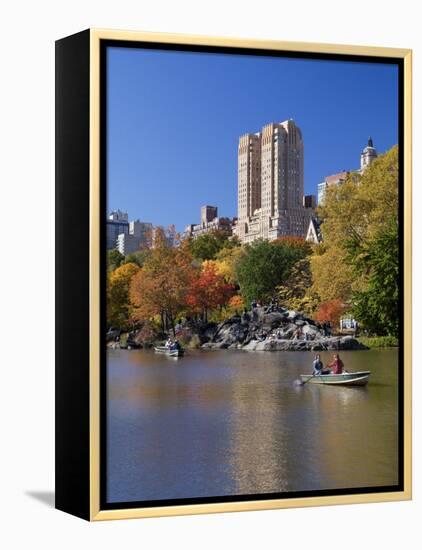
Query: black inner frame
{"points": [[104, 44]]}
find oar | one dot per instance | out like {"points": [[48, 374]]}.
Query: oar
{"points": [[303, 383]]}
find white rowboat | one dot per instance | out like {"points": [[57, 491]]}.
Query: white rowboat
{"points": [[169, 352], [344, 379]]}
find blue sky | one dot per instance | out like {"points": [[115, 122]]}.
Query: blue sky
{"points": [[174, 120]]}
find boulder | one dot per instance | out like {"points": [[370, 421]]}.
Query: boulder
{"points": [[112, 335], [245, 318], [272, 331], [288, 332], [310, 329], [291, 314], [326, 344], [273, 320]]}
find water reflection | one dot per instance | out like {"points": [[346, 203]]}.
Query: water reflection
{"points": [[227, 423]]}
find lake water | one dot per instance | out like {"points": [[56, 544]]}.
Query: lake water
{"points": [[234, 423]]}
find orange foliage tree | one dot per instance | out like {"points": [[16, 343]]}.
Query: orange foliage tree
{"points": [[162, 286], [330, 312], [236, 303], [208, 290]]}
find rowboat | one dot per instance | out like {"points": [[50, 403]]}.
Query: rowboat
{"points": [[344, 379], [169, 352]]}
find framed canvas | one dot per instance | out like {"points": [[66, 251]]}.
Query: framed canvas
{"points": [[233, 274]]}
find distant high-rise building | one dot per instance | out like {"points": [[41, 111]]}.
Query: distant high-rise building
{"points": [[335, 179], [249, 175], [118, 216], [117, 223], [126, 244], [208, 214], [270, 184], [309, 201], [368, 155], [209, 222], [137, 238], [142, 231]]}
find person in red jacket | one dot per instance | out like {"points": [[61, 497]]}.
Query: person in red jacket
{"points": [[336, 365]]}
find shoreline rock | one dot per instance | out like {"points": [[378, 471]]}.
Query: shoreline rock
{"points": [[276, 329], [271, 328], [334, 343]]}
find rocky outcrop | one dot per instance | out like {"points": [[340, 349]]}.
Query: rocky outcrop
{"points": [[276, 329], [329, 344], [261, 329]]}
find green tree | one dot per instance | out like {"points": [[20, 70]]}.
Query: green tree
{"points": [[263, 266], [208, 245], [376, 306], [139, 258], [114, 259]]}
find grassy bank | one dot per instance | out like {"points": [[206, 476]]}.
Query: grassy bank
{"points": [[374, 342]]}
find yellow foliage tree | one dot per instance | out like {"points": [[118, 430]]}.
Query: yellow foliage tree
{"points": [[296, 291], [118, 306], [353, 213], [225, 263], [332, 275]]}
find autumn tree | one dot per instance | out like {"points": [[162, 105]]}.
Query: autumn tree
{"points": [[208, 290], [118, 303], [359, 218], [226, 262], [160, 288], [297, 243], [296, 290], [330, 312], [236, 303], [332, 274], [164, 236]]}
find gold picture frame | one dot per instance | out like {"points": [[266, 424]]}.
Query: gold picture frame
{"points": [[91, 508]]}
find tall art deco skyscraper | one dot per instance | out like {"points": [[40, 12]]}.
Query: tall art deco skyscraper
{"points": [[270, 184], [249, 175]]}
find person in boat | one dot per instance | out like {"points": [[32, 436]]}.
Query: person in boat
{"points": [[169, 343], [175, 346], [336, 365], [317, 365]]}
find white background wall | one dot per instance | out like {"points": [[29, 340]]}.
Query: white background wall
{"points": [[29, 29]]}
